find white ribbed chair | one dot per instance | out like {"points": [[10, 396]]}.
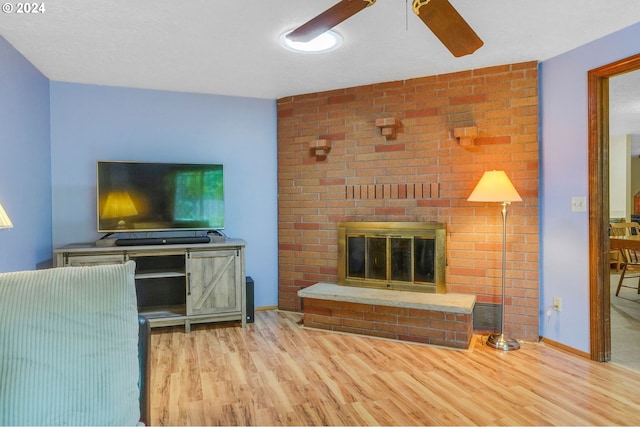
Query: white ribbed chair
{"points": [[69, 347]]}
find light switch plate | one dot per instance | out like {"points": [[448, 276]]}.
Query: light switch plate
{"points": [[578, 204]]}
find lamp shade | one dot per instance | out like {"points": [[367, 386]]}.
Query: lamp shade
{"points": [[5, 222], [494, 186], [119, 205]]}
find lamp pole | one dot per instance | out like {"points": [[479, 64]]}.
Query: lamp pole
{"points": [[501, 341]]}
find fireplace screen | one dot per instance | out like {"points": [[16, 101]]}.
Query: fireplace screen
{"points": [[395, 255]]}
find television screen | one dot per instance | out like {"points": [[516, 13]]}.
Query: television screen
{"points": [[135, 197]]}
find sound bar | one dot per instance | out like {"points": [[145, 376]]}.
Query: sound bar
{"points": [[162, 241]]}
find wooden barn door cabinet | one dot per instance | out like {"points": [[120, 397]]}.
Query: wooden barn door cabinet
{"points": [[177, 284]]}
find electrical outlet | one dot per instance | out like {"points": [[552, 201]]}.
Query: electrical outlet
{"points": [[557, 304]]}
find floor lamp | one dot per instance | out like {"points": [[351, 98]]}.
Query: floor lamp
{"points": [[495, 186]]}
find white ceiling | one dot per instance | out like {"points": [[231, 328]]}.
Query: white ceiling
{"points": [[624, 105], [229, 47]]}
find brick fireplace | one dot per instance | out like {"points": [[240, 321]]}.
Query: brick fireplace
{"points": [[420, 172], [391, 284]]}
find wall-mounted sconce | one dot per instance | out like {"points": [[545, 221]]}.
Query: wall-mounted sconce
{"points": [[388, 126], [466, 135], [320, 148], [5, 222]]}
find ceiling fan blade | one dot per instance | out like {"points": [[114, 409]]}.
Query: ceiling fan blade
{"points": [[328, 19], [447, 24]]}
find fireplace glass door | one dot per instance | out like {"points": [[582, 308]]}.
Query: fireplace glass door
{"points": [[399, 259], [391, 258]]}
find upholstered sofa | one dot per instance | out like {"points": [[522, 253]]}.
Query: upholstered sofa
{"points": [[73, 349]]}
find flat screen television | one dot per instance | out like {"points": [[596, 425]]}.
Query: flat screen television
{"points": [[139, 196]]}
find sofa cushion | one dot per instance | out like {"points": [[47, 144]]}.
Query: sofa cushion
{"points": [[68, 346]]}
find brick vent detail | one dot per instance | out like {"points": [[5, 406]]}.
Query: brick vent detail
{"points": [[407, 324], [393, 191]]}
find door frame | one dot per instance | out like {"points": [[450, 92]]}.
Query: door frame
{"points": [[599, 283]]}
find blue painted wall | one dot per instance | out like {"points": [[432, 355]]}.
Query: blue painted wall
{"points": [[25, 162], [564, 173], [90, 123]]}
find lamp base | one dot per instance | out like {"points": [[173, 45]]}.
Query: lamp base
{"points": [[502, 342]]}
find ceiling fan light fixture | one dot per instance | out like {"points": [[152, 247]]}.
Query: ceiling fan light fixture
{"points": [[325, 42]]}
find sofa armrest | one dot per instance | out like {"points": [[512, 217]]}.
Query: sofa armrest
{"points": [[144, 359]]}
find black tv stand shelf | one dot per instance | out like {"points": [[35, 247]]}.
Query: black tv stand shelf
{"points": [[176, 283]]}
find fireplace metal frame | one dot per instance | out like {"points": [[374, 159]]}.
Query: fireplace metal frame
{"points": [[389, 230]]}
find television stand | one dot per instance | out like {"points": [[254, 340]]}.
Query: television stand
{"points": [[177, 284], [144, 241]]}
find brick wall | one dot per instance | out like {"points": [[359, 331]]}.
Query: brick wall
{"points": [[400, 323], [420, 174]]}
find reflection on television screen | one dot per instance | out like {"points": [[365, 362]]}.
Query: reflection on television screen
{"points": [[135, 197]]}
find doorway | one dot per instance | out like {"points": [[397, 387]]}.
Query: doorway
{"points": [[599, 280], [624, 202]]}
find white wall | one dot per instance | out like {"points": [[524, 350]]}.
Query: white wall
{"points": [[620, 177], [635, 173]]}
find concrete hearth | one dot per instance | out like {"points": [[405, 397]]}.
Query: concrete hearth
{"points": [[439, 319]]}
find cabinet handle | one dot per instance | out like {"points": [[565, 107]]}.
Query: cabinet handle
{"points": [[189, 284]]}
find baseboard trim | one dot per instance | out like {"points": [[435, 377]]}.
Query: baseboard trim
{"points": [[266, 308], [565, 347]]}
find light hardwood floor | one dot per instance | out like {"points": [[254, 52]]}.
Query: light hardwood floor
{"points": [[274, 372], [625, 324]]}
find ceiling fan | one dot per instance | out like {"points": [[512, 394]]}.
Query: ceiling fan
{"points": [[439, 15]]}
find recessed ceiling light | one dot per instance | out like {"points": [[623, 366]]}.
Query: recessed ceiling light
{"points": [[325, 42]]}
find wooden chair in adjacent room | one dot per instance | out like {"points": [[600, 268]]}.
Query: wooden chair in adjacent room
{"points": [[630, 267]]}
